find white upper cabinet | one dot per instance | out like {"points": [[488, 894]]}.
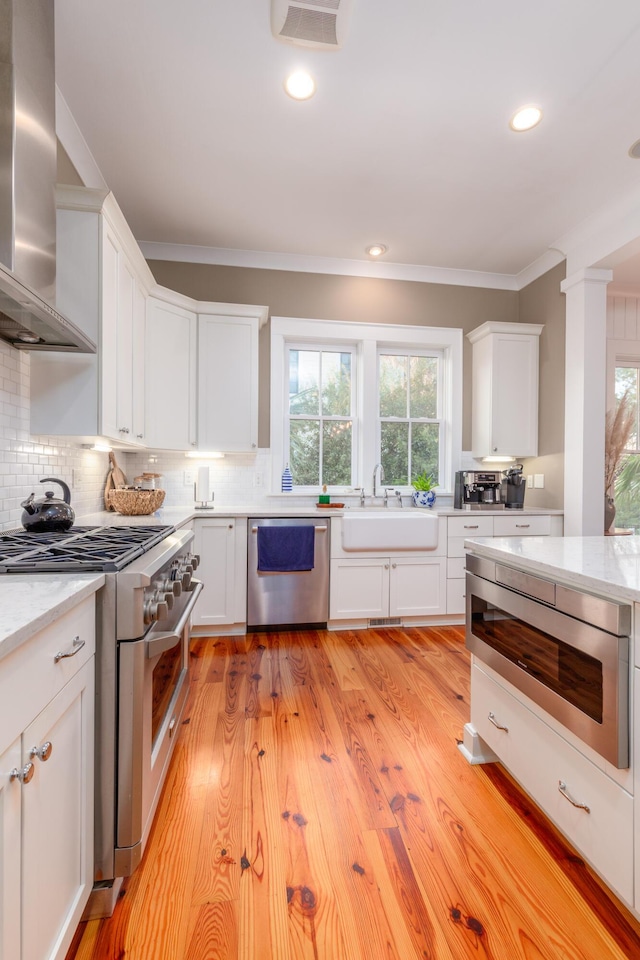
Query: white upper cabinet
{"points": [[170, 387], [505, 389], [227, 382], [102, 285]]}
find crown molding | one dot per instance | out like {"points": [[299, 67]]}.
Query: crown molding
{"points": [[299, 263]]}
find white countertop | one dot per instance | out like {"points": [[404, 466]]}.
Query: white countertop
{"points": [[29, 603], [176, 516], [609, 566]]}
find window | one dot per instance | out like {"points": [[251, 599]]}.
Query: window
{"points": [[321, 412], [409, 406], [346, 396], [627, 380]]}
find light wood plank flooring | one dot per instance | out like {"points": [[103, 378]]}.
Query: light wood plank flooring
{"points": [[317, 807]]}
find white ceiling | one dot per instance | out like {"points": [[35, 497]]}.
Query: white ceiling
{"points": [[406, 141]]}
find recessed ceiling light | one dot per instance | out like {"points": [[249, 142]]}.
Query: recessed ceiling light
{"points": [[525, 118], [376, 250], [634, 150], [300, 85]]}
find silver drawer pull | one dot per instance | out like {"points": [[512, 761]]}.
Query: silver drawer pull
{"points": [[500, 726], [522, 526], [471, 526], [562, 787], [78, 644]]}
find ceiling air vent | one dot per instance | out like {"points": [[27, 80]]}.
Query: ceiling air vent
{"points": [[311, 23]]}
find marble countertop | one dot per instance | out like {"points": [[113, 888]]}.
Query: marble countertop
{"points": [[609, 566], [30, 603], [177, 516]]}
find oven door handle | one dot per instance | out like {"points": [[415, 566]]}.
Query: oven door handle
{"points": [[165, 641]]}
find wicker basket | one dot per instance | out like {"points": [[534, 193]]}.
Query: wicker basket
{"points": [[136, 503]]}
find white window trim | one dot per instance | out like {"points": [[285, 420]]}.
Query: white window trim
{"points": [[368, 338]]}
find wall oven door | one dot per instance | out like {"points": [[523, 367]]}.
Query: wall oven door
{"points": [[152, 693], [575, 670]]}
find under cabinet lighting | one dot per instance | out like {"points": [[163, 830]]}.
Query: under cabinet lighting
{"points": [[98, 447], [204, 455], [498, 459]]}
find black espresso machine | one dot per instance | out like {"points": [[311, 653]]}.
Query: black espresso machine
{"points": [[487, 489]]}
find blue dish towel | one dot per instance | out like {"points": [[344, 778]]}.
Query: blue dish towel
{"points": [[286, 549]]}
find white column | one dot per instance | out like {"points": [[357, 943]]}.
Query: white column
{"points": [[585, 401]]}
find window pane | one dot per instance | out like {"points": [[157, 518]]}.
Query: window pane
{"points": [[304, 381], [304, 452], [393, 386], [423, 387], [627, 383], [336, 452], [425, 449], [394, 453], [336, 385]]}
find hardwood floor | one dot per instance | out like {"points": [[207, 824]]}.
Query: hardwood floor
{"points": [[317, 807]]}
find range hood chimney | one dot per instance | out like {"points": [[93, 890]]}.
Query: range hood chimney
{"points": [[28, 319]]}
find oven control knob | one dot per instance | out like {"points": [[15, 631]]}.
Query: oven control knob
{"points": [[170, 586], [187, 573], [155, 610], [166, 596], [194, 560]]}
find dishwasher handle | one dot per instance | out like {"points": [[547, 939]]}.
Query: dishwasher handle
{"points": [[318, 529]]}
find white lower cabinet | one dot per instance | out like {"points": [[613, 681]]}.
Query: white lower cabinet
{"points": [[46, 787], [593, 811], [221, 544], [374, 587]]}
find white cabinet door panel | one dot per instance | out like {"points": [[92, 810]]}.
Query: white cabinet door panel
{"points": [[170, 377], [417, 587], [10, 853], [57, 815], [359, 589], [227, 383], [214, 542]]}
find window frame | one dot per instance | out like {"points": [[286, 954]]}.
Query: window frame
{"points": [[367, 339], [323, 348]]}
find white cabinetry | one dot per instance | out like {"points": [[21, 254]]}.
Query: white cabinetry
{"points": [[409, 585], [221, 543], [505, 389], [102, 285], [170, 381], [371, 588], [551, 770], [227, 382], [477, 524], [46, 787]]}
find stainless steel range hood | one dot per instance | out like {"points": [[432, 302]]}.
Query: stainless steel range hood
{"points": [[28, 318]]}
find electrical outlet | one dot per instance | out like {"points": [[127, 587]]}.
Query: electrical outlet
{"points": [[76, 477], [189, 478], [530, 482], [257, 479], [538, 481]]}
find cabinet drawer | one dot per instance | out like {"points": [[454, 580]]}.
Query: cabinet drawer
{"points": [[541, 760], [521, 526], [456, 568], [455, 596], [30, 676], [472, 525]]}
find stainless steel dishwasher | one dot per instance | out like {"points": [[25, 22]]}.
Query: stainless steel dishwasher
{"points": [[289, 597]]}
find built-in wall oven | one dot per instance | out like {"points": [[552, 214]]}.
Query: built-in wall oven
{"points": [[142, 664], [565, 649]]}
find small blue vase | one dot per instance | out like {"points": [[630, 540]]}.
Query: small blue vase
{"points": [[424, 498]]}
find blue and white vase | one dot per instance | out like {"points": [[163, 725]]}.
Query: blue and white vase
{"points": [[424, 498], [287, 480]]}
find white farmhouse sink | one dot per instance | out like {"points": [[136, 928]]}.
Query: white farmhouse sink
{"points": [[389, 530]]}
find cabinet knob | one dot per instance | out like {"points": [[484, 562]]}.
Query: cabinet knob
{"points": [[386, 566], [123, 430], [394, 565], [42, 752], [139, 436], [495, 449], [25, 775]]}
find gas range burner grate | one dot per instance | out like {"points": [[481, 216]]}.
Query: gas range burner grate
{"points": [[88, 549]]}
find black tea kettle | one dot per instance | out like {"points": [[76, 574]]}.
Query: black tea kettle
{"points": [[48, 515]]}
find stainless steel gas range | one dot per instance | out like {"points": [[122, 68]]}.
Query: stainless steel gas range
{"points": [[142, 664]]}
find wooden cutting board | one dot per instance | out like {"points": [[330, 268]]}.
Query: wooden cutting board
{"points": [[115, 478]]}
